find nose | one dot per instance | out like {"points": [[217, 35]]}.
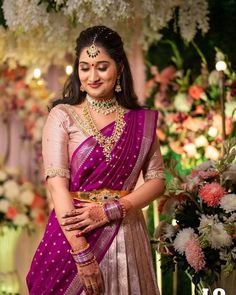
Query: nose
{"points": [[93, 75]]}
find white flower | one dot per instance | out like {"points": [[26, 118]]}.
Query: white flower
{"points": [[212, 153], [190, 149], [4, 204], [11, 189], [21, 220], [228, 203], [27, 197], [3, 175], [214, 232], [201, 141], [181, 103], [12, 171], [182, 239]]}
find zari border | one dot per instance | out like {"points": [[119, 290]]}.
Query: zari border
{"points": [[154, 174], [52, 172]]}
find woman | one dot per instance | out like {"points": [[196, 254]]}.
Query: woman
{"points": [[96, 141]]}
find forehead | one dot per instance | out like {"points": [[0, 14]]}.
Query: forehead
{"points": [[102, 56]]}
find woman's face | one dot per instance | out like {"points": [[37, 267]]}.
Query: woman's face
{"points": [[98, 74]]}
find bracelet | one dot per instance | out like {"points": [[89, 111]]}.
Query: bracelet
{"points": [[76, 251], [114, 210], [84, 257]]}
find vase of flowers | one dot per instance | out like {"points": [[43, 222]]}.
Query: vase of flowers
{"points": [[201, 239], [22, 206]]}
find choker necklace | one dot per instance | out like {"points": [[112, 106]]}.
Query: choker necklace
{"points": [[107, 143], [104, 107]]}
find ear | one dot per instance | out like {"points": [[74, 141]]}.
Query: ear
{"points": [[120, 69]]}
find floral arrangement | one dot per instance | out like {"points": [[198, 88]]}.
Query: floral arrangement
{"points": [[26, 99], [21, 203], [32, 24], [202, 239], [190, 123]]}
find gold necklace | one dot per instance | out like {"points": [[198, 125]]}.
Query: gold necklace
{"points": [[107, 143], [104, 107]]}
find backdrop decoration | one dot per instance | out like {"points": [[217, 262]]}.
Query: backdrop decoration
{"points": [[29, 25]]}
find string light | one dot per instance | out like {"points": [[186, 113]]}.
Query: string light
{"points": [[37, 73], [221, 66], [69, 69]]}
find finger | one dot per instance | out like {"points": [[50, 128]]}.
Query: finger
{"points": [[79, 225], [95, 289], [87, 229], [72, 213], [100, 281], [72, 220], [100, 284]]}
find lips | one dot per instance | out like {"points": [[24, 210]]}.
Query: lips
{"points": [[95, 85]]}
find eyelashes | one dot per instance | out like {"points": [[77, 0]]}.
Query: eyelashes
{"points": [[87, 69]]}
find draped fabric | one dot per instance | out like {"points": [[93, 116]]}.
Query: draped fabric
{"points": [[121, 248]]}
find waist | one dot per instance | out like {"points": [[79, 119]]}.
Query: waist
{"points": [[102, 195]]}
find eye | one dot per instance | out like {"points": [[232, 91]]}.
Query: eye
{"points": [[102, 69], [84, 69]]}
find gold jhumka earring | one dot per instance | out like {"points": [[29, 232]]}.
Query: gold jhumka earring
{"points": [[82, 88], [118, 87]]}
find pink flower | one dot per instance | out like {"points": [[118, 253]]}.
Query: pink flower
{"points": [[195, 91], [195, 255], [211, 193]]}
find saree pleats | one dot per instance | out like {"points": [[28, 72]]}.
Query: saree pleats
{"points": [[127, 266]]}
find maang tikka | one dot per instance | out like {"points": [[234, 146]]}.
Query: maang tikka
{"points": [[93, 51]]}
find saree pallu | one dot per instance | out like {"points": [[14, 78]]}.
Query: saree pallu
{"points": [[121, 248]]}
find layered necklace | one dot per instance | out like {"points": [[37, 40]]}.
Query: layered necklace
{"points": [[107, 143], [104, 107]]}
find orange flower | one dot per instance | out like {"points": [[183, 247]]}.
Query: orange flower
{"points": [[195, 91], [11, 212], [40, 218], [38, 202]]}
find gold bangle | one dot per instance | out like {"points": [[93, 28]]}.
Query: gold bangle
{"points": [[78, 250]]}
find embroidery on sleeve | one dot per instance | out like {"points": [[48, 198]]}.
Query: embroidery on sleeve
{"points": [[51, 172]]}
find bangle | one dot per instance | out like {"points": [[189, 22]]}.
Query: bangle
{"points": [[78, 250], [84, 257], [114, 210]]}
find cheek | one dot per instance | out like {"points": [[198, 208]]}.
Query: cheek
{"points": [[110, 76], [82, 75]]}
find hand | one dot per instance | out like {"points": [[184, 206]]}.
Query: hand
{"points": [[91, 278], [86, 217]]}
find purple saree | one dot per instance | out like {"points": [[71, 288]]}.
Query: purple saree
{"points": [[53, 270]]}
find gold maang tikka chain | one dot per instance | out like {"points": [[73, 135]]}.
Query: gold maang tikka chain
{"points": [[104, 107], [107, 143]]}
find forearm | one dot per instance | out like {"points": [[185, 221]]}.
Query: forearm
{"points": [[63, 203], [145, 194]]}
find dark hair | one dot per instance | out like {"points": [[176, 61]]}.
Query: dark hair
{"points": [[113, 45]]}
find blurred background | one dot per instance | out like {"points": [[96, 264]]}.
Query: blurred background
{"points": [[182, 55]]}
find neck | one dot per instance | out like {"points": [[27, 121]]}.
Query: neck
{"points": [[109, 97]]}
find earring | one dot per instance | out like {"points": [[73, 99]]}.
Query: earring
{"points": [[82, 88], [118, 87]]}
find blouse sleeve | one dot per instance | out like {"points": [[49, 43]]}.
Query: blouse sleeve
{"points": [[55, 145], [154, 166]]}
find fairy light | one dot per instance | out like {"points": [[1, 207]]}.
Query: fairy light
{"points": [[37, 73], [69, 69], [221, 66]]}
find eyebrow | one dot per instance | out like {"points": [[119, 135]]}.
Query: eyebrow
{"points": [[99, 62]]}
